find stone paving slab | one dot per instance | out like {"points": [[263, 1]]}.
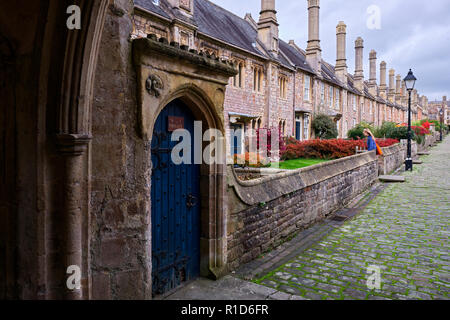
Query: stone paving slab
{"points": [[403, 233], [392, 178], [227, 288]]}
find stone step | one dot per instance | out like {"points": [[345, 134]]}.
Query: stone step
{"points": [[417, 162], [392, 179], [423, 153]]}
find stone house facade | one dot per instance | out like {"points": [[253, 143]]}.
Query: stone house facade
{"points": [[279, 84]]}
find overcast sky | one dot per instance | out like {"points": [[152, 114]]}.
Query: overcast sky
{"points": [[414, 34]]}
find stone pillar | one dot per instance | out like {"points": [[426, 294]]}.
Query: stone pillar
{"points": [[72, 147], [313, 50], [341, 57], [359, 72]]}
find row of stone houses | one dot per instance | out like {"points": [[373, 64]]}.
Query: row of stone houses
{"points": [[435, 107], [279, 84]]}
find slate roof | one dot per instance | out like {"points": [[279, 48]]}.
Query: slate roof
{"points": [[148, 4], [221, 24], [297, 57], [329, 74]]}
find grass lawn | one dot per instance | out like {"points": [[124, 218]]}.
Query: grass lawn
{"points": [[299, 163]]}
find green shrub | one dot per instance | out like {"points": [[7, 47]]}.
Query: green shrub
{"points": [[401, 133], [324, 127], [357, 132], [385, 131]]}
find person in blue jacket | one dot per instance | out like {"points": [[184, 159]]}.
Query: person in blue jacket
{"points": [[371, 145]]}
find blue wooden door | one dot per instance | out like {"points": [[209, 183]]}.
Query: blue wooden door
{"points": [[175, 205], [298, 130], [236, 139]]}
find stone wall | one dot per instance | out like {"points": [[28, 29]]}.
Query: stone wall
{"points": [[266, 211], [393, 157], [120, 171]]}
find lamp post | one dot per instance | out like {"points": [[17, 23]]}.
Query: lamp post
{"points": [[410, 82], [441, 118]]}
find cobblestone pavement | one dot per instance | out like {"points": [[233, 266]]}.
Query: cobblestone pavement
{"points": [[404, 232]]}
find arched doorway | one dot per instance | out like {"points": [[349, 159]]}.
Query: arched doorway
{"points": [[175, 202]]}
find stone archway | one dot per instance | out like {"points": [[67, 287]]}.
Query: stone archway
{"points": [[200, 82], [212, 181]]}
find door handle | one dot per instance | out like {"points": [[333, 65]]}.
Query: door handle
{"points": [[191, 201]]}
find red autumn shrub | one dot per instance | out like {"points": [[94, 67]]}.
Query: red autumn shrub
{"points": [[426, 125], [420, 131], [328, 149]]}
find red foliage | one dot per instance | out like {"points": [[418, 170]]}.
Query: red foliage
{"points": [[328, 149], [420, 131], [426, 125]]}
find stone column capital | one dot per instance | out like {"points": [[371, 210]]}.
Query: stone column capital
{"points": [[72, 144]]}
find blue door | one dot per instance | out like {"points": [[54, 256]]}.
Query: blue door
{"points": [[236, 139], [175, 204], [298, 130]]}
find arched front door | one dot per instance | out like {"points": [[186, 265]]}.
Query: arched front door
{"points": [[175, 204]]}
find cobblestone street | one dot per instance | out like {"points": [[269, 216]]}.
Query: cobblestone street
{"points": [[404, 232]]}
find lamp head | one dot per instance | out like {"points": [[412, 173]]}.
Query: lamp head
{"points": [[410, 81]]}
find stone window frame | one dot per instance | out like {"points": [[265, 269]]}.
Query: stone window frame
{"points": [[330, 96], [337, 98], [307, 88], [238, 81], [258, 76], [306, 124], [322, 92], [283, 83]]}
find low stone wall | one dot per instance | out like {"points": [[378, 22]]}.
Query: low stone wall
{"points": [[429, 141], [393, 157], [266, 211]]}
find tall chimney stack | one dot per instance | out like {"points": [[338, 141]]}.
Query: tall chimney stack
{"points": [[313, 50], [268, 26], [359, 72], [398, 89], [391, 95], [341, 57], [383, 87], [373, 73]]}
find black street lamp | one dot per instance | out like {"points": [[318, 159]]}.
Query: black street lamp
{"points": [[441, 118], [410, 81]]}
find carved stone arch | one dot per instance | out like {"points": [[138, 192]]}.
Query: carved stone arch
{"points": [[212, 178], [71, 56]]}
